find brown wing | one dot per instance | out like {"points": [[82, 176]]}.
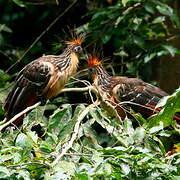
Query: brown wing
{"points": [[27, 90], [137, 91]]}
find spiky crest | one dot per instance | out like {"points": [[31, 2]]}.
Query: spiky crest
{"points": [[93, 60], [76, 39]]}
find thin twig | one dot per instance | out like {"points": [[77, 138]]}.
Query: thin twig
{"points": [[28, 163], [19, 115], [130, 8], [136, 104], [90, 155], [42, 34], [69, 144]]}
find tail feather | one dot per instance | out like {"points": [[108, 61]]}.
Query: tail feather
{"points": [[19, 99]]}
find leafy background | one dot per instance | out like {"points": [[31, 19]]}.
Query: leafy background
{"points": [[142, 39]]}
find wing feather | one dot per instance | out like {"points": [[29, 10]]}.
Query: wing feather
{"points": [[138, 92], [30, 82]]}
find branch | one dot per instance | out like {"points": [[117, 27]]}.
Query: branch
{"points": [[19, 115], [69, 144], [28, 163], [88, 88], [105, 104], [42, 34], [90, 155]]}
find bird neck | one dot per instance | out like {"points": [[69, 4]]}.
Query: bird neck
{"points": [[67, 59], [102, 79]]}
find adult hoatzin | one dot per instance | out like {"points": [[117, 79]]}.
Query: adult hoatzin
{"points": [[43, 79], [135, 93]]}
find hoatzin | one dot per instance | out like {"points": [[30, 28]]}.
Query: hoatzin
{"points": [[43, 79], [135, 93]]}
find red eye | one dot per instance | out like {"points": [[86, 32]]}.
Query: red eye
{"points": [[77, 49]]}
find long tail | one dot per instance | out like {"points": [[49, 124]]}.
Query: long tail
{"points": [[18, 100]]}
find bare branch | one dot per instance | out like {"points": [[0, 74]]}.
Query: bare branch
{"points": [[28, 163], [84, 89], [42, 34], [90, 155], [19, 115], [69, 144]]}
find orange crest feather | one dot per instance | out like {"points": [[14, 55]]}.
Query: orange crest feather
{"points": [[76, 39], [93, 61]]}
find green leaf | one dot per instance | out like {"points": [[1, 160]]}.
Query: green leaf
{"points": [[59, 119], [149, 7], [162, 102], [3, 27], [124, 2], [155, 129], [159, 19], [67, 127], [139, 41], [139, 134], [148, 57], [128, 126], [121, 53], [19, 3], [172, 50], [167, 10], [23, 141], [63, 170], [4, 172], [166, 115], [125, 168], [164, 9]]}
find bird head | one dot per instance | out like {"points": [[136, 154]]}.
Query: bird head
{"points": [[94, 64], [75, 42]]}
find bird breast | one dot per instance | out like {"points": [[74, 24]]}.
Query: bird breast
{"points": [[59, 78]]}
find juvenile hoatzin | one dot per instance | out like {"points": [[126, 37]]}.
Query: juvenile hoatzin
{"points": [[139, 95], [43, 79]]}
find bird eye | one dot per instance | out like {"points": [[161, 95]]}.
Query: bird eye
{"points": [[77, 49]]}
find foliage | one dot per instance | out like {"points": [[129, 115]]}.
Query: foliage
{"points": [[103, 149], [134, 33]]}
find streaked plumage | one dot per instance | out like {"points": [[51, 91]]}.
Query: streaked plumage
{"points": [[140, 96], [42, 79]]}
